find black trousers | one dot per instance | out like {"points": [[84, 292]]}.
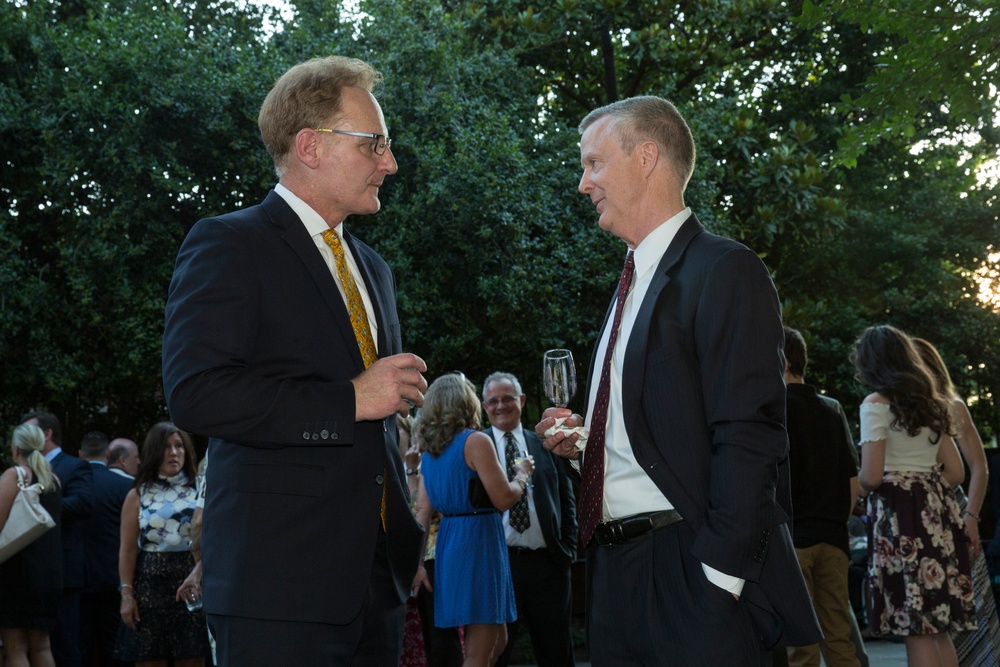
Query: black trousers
{"points": [[99, 621], [650, 603], [373, 639], [543, 591], [65, 637]]}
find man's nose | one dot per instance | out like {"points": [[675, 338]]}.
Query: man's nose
{"points": [[387, 162]]}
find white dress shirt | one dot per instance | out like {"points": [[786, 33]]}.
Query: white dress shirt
{"points": [[628, 489], [532, 537], [315, 226]]}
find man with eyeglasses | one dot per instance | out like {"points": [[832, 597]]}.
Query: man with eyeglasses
{"points": [[282, 343], [540, 529]]}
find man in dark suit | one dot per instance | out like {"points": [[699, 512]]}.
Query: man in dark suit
{"points": [[540, 530], [76, 479], [684, 504], [101, 603], [274, 319]]}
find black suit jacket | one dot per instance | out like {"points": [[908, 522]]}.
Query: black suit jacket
{"points": [[102, 530], [259, 353], [77, 503], [704, 406], [555, 502]]}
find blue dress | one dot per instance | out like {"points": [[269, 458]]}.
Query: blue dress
{"points": [[472, 583]]}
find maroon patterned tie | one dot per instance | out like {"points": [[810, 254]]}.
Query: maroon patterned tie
{"points": [[592, 491]]}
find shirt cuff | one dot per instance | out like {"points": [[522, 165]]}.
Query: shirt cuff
{"points": [[724, 581]]}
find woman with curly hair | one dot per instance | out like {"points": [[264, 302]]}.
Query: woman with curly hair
{"points": [[472, 587], [155, 557], [979, 648], [919, 575]]}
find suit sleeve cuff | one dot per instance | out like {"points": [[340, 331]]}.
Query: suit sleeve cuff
{"points": [[724, 581]]}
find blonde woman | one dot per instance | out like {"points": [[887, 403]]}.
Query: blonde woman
{"points": [[473, 586], [32, 578], [981, 646]]}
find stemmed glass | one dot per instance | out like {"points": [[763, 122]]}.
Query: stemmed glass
{"points": [[559, 377]]}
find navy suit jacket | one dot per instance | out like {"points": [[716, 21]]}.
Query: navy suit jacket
{"points": [[102, 530], [555, 502], [77, 503], [703, 397], [259, 353]]}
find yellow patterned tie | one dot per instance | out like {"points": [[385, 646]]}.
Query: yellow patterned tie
{"points": [[359, 320], [355, 306]]}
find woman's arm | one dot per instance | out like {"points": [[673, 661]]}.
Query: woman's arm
{"points": [[481, 456], [8, 491], [953, 471], [872, 465], [425, 511], [971, 447], [128, 551]]}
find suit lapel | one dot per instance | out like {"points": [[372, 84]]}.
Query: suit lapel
{"points": [[295, 235], [634, 366]]}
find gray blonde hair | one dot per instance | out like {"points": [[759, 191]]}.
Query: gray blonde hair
{"points": [[30, 439], [646, 118], [308, 95], [450, 405]]}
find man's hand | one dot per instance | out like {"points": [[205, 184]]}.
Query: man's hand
{"points": [[390, 385], [560, 443]]}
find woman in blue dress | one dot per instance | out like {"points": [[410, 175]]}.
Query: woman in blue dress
{"points": [[461, 477]]}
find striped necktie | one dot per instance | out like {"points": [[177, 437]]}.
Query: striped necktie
{"points": [[591, 504]]}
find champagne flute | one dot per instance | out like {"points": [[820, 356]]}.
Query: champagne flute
{"points": [[559, 377]]}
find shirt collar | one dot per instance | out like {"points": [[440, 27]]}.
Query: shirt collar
{"points": [[54, 453], [313, 221], [648, 253], [498, 435]]}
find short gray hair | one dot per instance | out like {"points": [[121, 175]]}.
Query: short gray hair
{"points": [[500, 376], [646, 117]]}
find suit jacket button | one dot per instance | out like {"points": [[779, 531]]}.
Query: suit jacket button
{"points": [[315, 436], [324, 434], [334, 436], [379, 480], [305, 435]]}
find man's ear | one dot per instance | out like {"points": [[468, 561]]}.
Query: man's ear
{"points": [[649, 156], [307, 147]]}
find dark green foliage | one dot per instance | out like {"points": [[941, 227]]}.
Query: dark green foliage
{"points": [[123, 123]]}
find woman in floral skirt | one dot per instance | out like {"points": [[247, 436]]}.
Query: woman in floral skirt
{"points": [[919, 574]]}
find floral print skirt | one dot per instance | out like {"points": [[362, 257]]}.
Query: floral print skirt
{"points": [[919, 571]]}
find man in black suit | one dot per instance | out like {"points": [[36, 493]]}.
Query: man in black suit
{"points": [[540, 530], [76, 479], [684, 503], [101, 603], [274, 319]]}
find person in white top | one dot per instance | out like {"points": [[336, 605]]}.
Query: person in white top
{"points": [[920, 578]]}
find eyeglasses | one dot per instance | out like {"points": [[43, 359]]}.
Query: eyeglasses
{"points": [[382, 142], [506, 401]]}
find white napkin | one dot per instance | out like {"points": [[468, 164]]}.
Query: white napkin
{"points": [[581, 444]]}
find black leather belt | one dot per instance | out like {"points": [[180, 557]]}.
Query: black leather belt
{"points": [[618, 531], [523, 551]]}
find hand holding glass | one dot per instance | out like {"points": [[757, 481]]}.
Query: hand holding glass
{"points": [[559, 377]]}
